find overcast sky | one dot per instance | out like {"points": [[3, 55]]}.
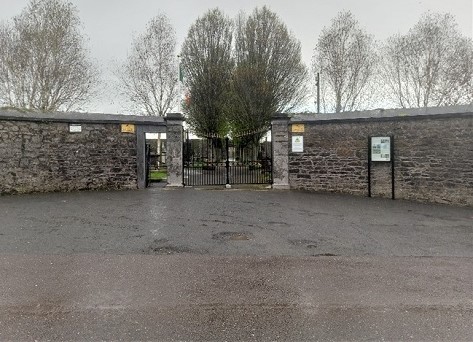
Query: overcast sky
{"points": [[111, 24]]}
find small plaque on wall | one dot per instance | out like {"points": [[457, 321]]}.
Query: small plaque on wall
{"points": [[75, 128], [298, 128], [297, 143], [128, 128]]}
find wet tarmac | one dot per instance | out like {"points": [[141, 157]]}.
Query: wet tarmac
{"points": [[233, 265]]}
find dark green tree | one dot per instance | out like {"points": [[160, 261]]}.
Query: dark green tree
{"points": [[269, 76], [207, 63]]}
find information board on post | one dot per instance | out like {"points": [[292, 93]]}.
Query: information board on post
{"points": [[381, 149]]}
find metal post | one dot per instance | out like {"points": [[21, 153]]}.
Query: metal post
{"points": [[147, 165], [369, 166], [179, 82], [318, 93], [227, 163], [187, 159], [392, 168]]}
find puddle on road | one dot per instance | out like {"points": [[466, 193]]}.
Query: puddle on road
{"points": [[232, 236], [304, 243], [311, 245], [163, 247]]}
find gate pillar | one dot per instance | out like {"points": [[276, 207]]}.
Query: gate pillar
{"points": [[174, 149], [280, 142]]}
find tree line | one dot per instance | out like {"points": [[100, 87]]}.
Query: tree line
{"points": [[238, 73], [430, 65], [235, 73]]}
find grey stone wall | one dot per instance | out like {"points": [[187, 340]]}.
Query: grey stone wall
{"points": [[43, 156], [433, 156]]}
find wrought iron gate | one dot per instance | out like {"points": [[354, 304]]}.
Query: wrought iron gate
{"points": [[215, 160], [147, 164]]}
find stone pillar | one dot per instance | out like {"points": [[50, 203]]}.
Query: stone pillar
{"points": [[174, 149], [280, 141], [140, 157]]}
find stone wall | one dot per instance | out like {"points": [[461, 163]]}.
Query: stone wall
{"points": [[45, 156], [433, 154], [39, 153]]}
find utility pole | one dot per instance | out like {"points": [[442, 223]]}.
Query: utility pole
{"points": [[179, 80], [318, 93]]}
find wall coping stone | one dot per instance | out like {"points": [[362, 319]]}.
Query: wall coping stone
{"points": [[385, 114], [75, 117], [280, 116], [178, 117]]}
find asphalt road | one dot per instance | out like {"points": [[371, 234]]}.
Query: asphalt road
{"points": [[233, 265]]}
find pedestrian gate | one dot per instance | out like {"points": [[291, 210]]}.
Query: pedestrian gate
{"points": [[215, 160]]}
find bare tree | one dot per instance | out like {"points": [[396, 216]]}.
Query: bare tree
{"points": [[269, 76], [432, 65], [346, 59], [149, 76], [44, 65], [208, 63]]}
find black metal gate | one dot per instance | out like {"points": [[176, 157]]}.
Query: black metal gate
{"points": [[214, 160], [147, 164]]}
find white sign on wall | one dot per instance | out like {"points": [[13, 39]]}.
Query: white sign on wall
{"points": [[381, 149], [75, 128], [297, 143]]}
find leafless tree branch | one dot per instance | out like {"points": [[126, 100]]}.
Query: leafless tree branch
{"points": [[44, 65], [149, 77], [431, 65], [346, 59]]}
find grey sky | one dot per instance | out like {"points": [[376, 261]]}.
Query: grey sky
{"points": [[110, 25]]}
